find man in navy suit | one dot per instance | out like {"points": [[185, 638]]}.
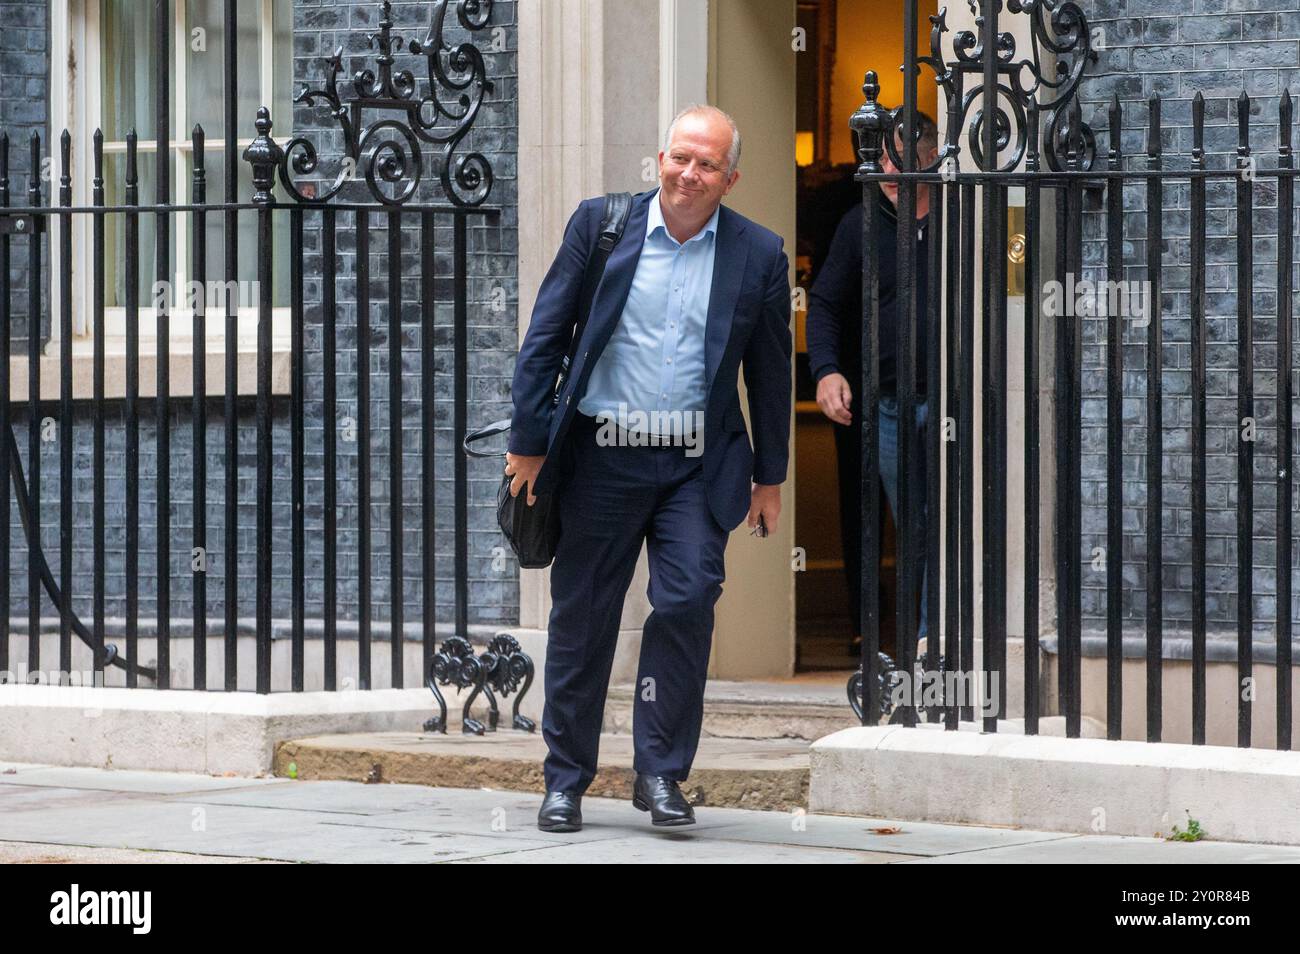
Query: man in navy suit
{"points": [[692, 292]]}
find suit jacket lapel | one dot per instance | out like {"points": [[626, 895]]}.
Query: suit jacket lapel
{"points": [[729, 258]]}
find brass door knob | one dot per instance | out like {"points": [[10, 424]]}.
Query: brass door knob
{"points": [[1016, 249]]}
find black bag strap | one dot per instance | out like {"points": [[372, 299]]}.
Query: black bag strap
{"points": [[618, 207], [482, 433]]}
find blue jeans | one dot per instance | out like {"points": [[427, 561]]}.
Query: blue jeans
{"points": [[889, 477], [848, 446]]}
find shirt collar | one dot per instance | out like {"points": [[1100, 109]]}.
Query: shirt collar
{"points": [[891, 213], [655, 220]]}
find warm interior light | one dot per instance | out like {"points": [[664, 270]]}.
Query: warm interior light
{"points": [[803, 148]]}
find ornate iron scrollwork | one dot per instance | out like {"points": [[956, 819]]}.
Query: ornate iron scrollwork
{"points": [[455, 665], [1025, 85], [388, 150], [508, 670], [884, 667], [503, 666], [888, 675]]}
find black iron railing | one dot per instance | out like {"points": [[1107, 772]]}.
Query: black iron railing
{"points": [[1019, 125], [386, 127]]}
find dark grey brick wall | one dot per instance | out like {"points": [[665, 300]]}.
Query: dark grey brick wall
{"points": [[492, 245], [320, 25], [1174, 48], [24, 107]]}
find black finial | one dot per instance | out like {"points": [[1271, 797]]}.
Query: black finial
{"points": [[132, 173], [1116, 124], [1243, 124], [264, 156], [1198, 129], [197, 139], [34, 177], [870, 122], [1284, 124], [4, 168], [1153, 126], [97, 140]]}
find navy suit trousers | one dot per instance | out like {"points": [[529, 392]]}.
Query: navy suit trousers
{"points": [[611, 499]]}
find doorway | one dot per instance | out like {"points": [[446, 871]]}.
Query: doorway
{"points": [[843, 39]]}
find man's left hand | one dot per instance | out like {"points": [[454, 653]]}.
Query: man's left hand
{"points": [[765, 501]]}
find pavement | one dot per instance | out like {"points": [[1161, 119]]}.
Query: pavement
{"points": [[54, 814]]}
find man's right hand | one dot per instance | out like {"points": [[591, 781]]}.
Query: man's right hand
{"points": [[835, 398], [524, 470]]}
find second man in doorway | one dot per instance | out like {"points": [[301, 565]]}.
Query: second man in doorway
{"points": [[834, 334]]}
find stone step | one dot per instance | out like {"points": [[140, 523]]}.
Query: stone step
{"points": [[760, 774], [797, 710]]}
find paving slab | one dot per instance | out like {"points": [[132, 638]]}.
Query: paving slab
{"points": [[481, 811], [672, 851], [303, 836], [1118, 849], [156, 820], [491, 813], [15, 798], [347, 798], [123, 780], [28, 853], [872, 834]]}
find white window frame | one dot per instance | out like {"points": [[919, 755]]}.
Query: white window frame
{"points": [[76, 105]]}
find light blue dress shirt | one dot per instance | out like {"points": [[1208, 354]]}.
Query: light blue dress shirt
{"points": [[654, 360]]}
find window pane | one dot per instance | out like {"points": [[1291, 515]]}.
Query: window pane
{"points": [[127, 60], [205, 78], [215, 165], [115, 230], [282, 67]]}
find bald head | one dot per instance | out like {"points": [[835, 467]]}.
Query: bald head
{"points": [[715, 121]]}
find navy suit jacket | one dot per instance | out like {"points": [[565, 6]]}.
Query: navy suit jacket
{"points": [[748, 324]]}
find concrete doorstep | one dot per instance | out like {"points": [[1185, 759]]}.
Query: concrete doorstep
{"points": [[372, 734], [1085, 786], [754, 710], [764, 775]]}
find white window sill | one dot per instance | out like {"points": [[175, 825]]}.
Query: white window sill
{"points": [[180, 368], [180, 359]]}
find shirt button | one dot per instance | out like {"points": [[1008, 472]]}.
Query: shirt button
{"points": [[670, 361]]}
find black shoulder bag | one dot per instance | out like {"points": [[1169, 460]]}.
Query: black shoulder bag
{"points": [[534, 531]]}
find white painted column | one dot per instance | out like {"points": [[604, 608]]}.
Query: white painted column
{"points": [[586, 126]]}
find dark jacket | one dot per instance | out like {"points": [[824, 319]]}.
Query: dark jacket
{"points": [[834, 330], [748, 323]]}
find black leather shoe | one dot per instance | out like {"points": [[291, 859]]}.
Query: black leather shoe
{"points": [[561, 811], [663, 800]]}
